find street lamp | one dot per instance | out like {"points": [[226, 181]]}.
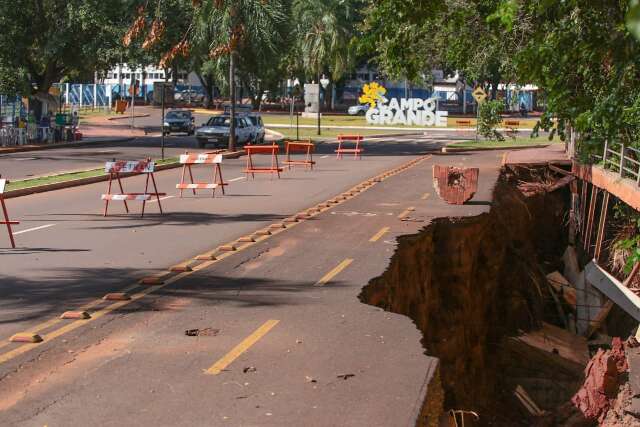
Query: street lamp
{"points": [[324, 82]]}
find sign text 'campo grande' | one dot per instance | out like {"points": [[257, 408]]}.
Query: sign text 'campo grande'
{"points": [[406, 111]]}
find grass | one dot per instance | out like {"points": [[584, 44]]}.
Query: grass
{"points": [[346, 120], [329, 132], [507, 143], [68, 176]]}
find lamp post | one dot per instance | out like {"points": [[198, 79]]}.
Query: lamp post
{"points": [[323, 82]]}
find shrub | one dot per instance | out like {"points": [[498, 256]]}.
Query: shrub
{"points": [[489, 118]]}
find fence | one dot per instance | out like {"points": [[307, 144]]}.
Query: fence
{"points": [[86, 96], [621, 159]]}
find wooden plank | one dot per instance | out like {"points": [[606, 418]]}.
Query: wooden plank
{"points": [[527, 401], [564, 287]]}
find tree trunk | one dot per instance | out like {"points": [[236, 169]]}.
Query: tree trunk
{"points": [[319, 109], [207, 84], [232, 97]]}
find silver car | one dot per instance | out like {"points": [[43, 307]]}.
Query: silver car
{"points": [[216, 131], [258, 127]]}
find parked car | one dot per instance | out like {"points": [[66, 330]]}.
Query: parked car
{"points": [[216, 131], [358, 110], [258, 127], [189, 96], [179, 121]]}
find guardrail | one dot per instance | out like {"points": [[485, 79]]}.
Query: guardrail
{"points": [[623, 160]]}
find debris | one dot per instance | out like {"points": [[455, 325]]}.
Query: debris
{"points": [[455, 186], [249, 369], [530, 189], [298, 341], [310, 379], [527, 402], [562, 285], [603, 376], [206, 332], [345, 376]]}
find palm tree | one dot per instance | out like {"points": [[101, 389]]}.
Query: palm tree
{"points": [[235, 23], [325, 29]]}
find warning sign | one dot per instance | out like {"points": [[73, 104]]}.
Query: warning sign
{"points": [[479, 95]]}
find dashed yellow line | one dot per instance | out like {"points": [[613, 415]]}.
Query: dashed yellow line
{"points": [[333, 273], [97, 314], [406, 212], [245, 345], [379, 234]]}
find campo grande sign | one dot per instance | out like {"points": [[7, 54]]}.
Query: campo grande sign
{"points": [[406, 111]]}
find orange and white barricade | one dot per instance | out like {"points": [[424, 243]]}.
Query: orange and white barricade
{"points": [[116, 168], [305, 147], [251, 150], [7, 221], [343, 140], [187, 160]]}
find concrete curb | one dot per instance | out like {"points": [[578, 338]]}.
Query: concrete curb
{"points": [[124, 116], [450, 149], [93, 179], [26, 148]]}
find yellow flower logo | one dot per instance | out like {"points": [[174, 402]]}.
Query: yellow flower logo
{"points": [[372, 93]]}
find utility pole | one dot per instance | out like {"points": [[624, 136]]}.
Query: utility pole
{"points": [[318, 97], [164, 88], [232, 95]]}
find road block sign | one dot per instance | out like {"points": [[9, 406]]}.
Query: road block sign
{"points": [[7, 221], [300, 147], [251, 150], [187, 160], [479, 95], [343, 140], [116, 168]]}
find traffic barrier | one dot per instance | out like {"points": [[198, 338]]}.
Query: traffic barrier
{"points": [[115, 168], [455, 185], [300, 147], [7, 221], [356, 150], [262, 149], [512, 127], [187, 160]]}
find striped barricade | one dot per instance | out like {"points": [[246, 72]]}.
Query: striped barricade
{"points": [[343, 140], [7, 221], [189, 159], [251, 150], [116, 168], [305, 147]]}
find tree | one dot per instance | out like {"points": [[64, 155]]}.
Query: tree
{"points": [[325, 29], [43, 41], [235, 24]]}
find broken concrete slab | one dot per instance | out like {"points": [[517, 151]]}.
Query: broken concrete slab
{"points": [[622, 296]]}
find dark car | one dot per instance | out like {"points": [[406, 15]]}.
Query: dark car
{"points": [[179, 121]]}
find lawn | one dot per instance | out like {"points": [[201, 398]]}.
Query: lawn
{"points": [[346, 120], [70, 176], [331, 132], [507, 143]]}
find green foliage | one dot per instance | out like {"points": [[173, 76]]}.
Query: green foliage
{"points": [[489, 118], [628, 239], [42, 41], [325, 30]]}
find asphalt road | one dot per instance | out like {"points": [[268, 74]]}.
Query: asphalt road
{"points": [[53, 161], [45, 162], [133, 365]]}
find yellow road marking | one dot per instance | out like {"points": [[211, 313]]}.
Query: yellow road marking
{"points": [[245, 345], [425, 196], [406, 212], [96, 315], [333, 273], [379, 234]]}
